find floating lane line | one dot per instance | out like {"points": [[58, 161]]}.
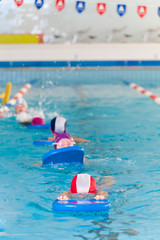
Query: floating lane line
{"points": [[144, 92], [12, 102]]}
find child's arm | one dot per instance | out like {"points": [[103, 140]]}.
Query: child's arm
{"points": [[107, 181], [51, 138], [79, 140], [64, 196], [39, 164]]}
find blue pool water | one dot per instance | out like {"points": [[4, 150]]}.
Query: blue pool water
{"points": [[123, 127]]}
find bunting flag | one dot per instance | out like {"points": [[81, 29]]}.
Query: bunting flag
{"points": [[18, 2], [121, 9], [80, 6], [142, 10], [39, 3], [60, 5], [101, 8], [159, 11]]}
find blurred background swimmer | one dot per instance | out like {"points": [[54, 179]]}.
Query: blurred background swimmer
{"points": [[21, 105], [37, 121], [21, 110], [84, 184], [25, 116], [59, 125]]}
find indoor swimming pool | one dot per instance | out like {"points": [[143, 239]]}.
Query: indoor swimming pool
{"points": [[123, 127]]}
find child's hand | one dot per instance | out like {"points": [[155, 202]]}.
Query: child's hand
{"points": [[99, 197], [51, 138], [64, 196]]}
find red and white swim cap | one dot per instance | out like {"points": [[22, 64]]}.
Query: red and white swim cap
{"points": [[83, 183]]}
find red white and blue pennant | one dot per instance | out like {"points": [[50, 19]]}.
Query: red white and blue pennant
{"points": [[142, 10], [60, 4], [121, 9], [18, 2], [80, 6], [101, 8], [39, 3]]}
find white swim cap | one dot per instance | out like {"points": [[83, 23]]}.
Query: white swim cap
{"points": [[58, 125], [21, 101]]}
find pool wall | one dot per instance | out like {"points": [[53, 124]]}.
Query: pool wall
{"points": [[139, 62], [79, 52]]}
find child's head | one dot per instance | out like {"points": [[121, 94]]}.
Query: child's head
{"points": [[38, 121], [83, 183], [58, 125], [21, 105], [63, 140]]}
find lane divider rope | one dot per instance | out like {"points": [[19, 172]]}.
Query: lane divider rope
{"points": [[144, 92], [12, 102]]}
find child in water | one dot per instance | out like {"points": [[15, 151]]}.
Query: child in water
{"points": [[26, 117], [63, 140], [37, 121], [21, 106], [84, 184], [59, 125], [21, 110]]}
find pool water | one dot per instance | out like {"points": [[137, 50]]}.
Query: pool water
{"points": [[123, 127]]}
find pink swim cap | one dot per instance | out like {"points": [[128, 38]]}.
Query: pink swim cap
{"points": [[83, 183], [38, 121]]}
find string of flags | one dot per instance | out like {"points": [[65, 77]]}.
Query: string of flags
{"points": [[39, 3], [80, 6]]}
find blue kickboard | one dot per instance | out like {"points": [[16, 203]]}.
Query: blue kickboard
{"points": [[42, 126], [43, 142], [81, 205], [64, 155]]}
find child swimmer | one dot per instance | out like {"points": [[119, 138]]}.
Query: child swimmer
{"points": [[83, 184], [21, 110], [20, 106], [59, 125], [27, 117], [63, 140]]}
